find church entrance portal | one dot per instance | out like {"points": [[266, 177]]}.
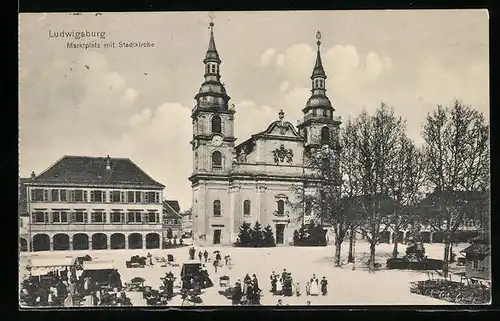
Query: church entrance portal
{"points": [[217, 236], [280, 231]]}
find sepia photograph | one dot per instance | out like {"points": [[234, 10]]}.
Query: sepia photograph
{"points": [[254, 158]]}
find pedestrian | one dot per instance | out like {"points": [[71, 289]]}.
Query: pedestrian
{"points": [[200, 255], [274, 280], [324, 284], [284, 274], [215, 265], [314, 286], [205, 254], [280, 302], [192, 252], [236, 293], [297, 288]]}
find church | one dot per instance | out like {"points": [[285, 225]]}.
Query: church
{"points": [[257, 179]]}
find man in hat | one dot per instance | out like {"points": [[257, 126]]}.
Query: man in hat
{"points": [[236, 293], [324, 284], [205, 254]]}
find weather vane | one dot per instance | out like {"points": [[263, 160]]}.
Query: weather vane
{"points": [[211, 17], [318, 36]]}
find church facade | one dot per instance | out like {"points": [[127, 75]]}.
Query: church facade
{"points": [[257, 179]]}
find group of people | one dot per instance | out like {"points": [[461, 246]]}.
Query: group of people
{"points": [[283, 284], [246, 293], [314, 285], [66, 288]]}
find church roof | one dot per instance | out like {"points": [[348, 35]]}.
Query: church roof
{"points": [[94, 171], [278, 129]]}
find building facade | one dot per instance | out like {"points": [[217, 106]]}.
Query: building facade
{"points": [[96, 203], [258, 179], [172, 220]]}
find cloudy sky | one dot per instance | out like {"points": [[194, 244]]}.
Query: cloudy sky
{"points": [[136, 102]]}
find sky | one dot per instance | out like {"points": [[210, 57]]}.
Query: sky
{"points": [[136, 102]]}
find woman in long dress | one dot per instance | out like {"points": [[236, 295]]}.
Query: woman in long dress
{"points": [[314, 286], [279, 287], [68, 302]]}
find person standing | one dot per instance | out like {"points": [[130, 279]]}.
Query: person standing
{"points": [[314, 285], [274, 280], [205, 255], [284, 274], [215, 265], [200, 255], [324, 284], [236, 294], [297, 288]]}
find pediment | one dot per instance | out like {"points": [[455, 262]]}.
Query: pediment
{"points": [[281, 128]]}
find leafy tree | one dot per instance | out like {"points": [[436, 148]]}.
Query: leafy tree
{"points": [[457, 168], [244, 237], [269, 237], [257, 235]]}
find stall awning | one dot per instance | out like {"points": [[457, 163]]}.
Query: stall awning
{"points": [[98, 265], [55, 262], [477, 249]]}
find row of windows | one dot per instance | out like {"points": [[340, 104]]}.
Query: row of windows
{"points": [[96, 217], [93, 196], [173, 221], [323, 112], [247, 208]]}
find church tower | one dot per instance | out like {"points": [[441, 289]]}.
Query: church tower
{"points": [[213, 119], [213, 150], [319, 126]]}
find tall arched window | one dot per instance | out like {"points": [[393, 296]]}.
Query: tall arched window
{"points": [[281, 207], [216, 125], [217, 209], [246, 207], [325, 135], [216, 160]]}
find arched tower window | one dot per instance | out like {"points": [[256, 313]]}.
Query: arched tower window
{"points": [[325, 135], [216, 125], [246, 207], [217, 208], [216, 160], [281, 207]]}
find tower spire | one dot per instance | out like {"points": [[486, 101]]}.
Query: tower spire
{"points": [[318, 70], [212, 54]]}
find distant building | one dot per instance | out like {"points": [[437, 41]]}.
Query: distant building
{"points": [[95, 203], [172, 220], [187, 222], [478, 258]]}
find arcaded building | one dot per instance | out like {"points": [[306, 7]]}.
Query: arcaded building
{"points": [[257, 179], [94, 203]]}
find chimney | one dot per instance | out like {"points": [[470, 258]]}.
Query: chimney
{"points": [[108, 163], [33, 175]]}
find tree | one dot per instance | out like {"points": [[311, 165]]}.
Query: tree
{"points": [[376, 139], [256, 235], [456, 161], [269, 237], [244, 238], [407, 177]]}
